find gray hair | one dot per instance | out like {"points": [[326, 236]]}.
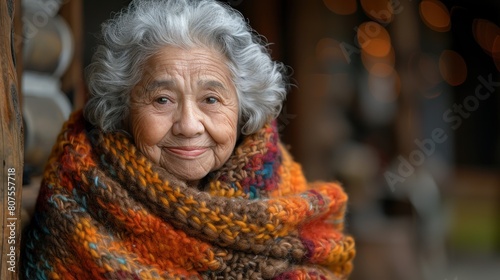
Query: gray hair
{"points": [[141, 30]]}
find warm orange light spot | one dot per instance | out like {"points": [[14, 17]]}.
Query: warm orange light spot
{"points": [[452, 67], [379, 10], [374, 39], [378, 47], [341, 7], [485, 33], [435, 15], [379, 66], [329, 49]]}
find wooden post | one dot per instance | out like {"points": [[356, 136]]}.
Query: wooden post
{"points": [[11, 148]]}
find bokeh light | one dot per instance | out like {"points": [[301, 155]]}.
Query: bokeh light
{"points": [[385, 89], [424, 70], [486, 33], [341, 7], [379, 66], [377, 53], [374, 39], [382, 69], [428, 67], [452, 67], [435, 15], [328, 49], [379, 10]]}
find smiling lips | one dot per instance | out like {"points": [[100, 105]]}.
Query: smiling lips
{"points": [[187, 152]]}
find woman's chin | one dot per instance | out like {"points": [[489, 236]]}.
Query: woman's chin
{"points": [[186, 174]]}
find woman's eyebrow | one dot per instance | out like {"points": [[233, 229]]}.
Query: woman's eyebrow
{"points": [[161, 84], [211, 84], [171, 84], [216, 86]]}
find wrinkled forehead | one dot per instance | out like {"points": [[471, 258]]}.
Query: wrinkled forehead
{"points": [[171, 63]]}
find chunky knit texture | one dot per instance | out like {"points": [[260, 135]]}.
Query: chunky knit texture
{"points": [[106, 212]]}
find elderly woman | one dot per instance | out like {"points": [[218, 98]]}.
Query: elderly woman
{"points": [[174, 168]]}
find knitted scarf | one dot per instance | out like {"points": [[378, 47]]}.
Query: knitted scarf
{"points": [[106, 212]]}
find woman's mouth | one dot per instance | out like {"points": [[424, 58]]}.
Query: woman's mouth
{"points": [[188, 152]]}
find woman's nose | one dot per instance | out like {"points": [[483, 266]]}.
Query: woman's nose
{"points": [[188, 121]]}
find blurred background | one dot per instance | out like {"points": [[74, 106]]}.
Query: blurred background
{"points": [[396, 99]]}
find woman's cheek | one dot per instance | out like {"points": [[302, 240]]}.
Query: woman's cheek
{"points": [[140, 121], [154, 129], [224, 131]]}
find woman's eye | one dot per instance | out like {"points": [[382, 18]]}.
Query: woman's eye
{"points": [[211, 100], [162, 100]]}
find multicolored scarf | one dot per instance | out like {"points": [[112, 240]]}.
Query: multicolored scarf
{"points": [[106, 212]]}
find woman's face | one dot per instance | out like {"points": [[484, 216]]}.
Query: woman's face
{"points": [[184, 112]]}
